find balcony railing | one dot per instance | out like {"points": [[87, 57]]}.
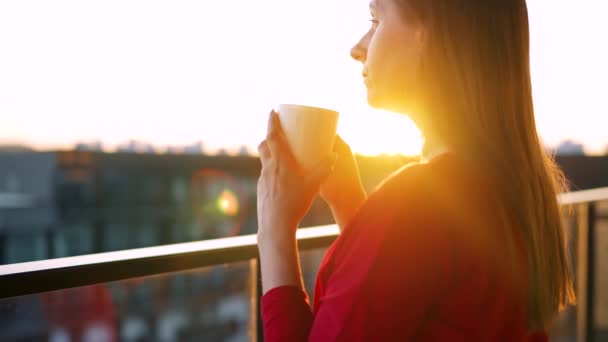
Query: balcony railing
{"points": [[40, 277]]}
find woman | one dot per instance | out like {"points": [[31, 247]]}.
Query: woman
{"points": [[465, 245]]}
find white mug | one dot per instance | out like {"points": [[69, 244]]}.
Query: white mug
{"points": [[310, 132]]}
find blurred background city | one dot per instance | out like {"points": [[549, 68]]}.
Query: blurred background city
{"points": [[131, 124]]}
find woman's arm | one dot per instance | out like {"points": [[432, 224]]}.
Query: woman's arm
{"points": [[286, 312], [280, 264], [368, 260], [382, 288], [285, 193], [387, 261]]}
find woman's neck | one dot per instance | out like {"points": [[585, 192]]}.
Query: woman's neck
{"points": [[432, 145]]}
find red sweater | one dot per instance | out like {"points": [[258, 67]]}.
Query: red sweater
{"points": [[423, 259]]}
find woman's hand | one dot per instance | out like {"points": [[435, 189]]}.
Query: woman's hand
{"points": [[285, 192], [343, 190]]}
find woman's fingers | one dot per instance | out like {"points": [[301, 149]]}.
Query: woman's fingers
{"points": [[277, 142], [322, 171], [264, 152]]}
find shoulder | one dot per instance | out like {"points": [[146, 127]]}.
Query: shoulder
{"points": [[426, 190], [448, 206], [402, 226], [408, 181], [416, 198], [436, 204]]}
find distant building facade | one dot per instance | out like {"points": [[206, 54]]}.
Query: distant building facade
{"points": [[81, 202], [569, 148]]}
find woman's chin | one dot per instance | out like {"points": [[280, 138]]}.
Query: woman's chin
{"points": [[378, 102], [386, 103], [373, 100]]}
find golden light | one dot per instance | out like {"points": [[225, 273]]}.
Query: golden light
{"points": [[298, 63], [375, 132], [228, 203]]}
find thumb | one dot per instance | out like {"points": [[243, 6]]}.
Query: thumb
{"points": [[322, 170]]}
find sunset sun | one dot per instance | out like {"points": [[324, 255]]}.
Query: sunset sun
{"points": [[374, 132]]}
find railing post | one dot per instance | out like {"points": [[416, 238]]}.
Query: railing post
{"points": [[585, 277], [258, 298], [581, 272], [254, 311], [3, 245], [49, 241], [590, 271]]}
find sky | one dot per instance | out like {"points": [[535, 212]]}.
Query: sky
{"points": [[175, 72]]}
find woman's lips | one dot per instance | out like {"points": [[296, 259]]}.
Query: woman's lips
{"points": [[364, 75]]}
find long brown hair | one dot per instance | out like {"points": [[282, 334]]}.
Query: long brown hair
{"points": [[475, 80]]}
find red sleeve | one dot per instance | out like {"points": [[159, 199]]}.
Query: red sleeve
{"points": [[409, 266], [286, 314], [385, 281], [384, 276]]}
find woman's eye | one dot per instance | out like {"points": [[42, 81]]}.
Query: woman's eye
{"points": [[374, 23]]}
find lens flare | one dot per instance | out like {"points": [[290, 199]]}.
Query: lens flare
{"points": [[219, 204], [228, 203]]}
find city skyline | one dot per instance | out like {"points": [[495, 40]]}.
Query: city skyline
{"points": [[565, 147], [173, 74]]}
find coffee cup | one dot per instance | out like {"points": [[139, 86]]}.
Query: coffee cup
{"points": [[310, 132]]}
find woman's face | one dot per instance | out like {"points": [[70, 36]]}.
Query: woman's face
{"points": [[390, 53]]}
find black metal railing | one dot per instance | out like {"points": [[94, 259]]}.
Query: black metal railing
{"points": [[585, 216], [64, 273]]}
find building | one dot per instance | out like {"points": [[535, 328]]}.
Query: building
{"points": [[81, 202], [569, 148]]}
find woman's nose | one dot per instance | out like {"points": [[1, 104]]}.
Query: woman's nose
{"points": [[358, 52]]}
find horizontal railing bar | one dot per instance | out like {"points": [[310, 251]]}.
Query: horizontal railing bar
{"points": [[584, 196], [62, 273]]}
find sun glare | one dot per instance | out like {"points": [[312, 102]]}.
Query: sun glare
{"points": [[171, 79], [375, 132]]}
